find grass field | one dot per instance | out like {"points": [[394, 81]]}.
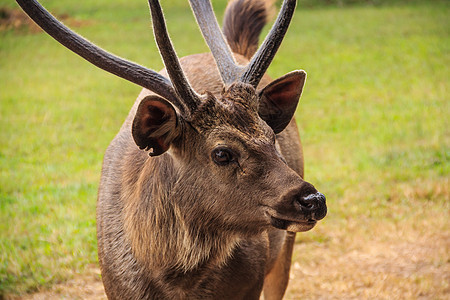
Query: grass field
{"points": [[374, 121]]}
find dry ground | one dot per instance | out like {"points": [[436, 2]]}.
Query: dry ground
{"points": [[395, 269], [404, 253], [407, 260], [390, 270], [16, 19]]}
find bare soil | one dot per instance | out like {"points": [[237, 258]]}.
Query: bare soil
{"points": [[16, 19], [399, 269], [402, 269], [83, 286]]}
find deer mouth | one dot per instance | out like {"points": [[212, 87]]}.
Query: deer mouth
{"points": [[292, 225]]}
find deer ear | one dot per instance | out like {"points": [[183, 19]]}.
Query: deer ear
{"points": [[155, 125], [279, 99]]}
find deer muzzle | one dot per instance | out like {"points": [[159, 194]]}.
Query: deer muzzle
{"points": [[299, 209]]}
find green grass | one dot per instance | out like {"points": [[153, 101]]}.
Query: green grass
{"points": [[373, 120]]}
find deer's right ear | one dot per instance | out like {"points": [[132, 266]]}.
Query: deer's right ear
{"points": [[155, 125]]}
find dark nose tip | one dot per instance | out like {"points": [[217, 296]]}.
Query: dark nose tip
{"points": [[315, 204]]}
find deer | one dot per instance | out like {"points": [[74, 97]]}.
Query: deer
{"points": [[202, 191]]}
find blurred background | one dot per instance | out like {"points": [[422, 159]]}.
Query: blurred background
{"points": [[374, 122]]}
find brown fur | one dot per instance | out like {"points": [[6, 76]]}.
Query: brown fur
{"points": [[242, 25], [179, 226], [153, 243]]}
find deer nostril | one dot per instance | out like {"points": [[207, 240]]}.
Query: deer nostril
{"points": [[315, 204], [305, 202], [312, 200]]}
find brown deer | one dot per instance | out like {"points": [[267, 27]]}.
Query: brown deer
{"points": [[211, 211]]}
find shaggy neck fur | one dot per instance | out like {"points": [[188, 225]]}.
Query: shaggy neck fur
{"points": [[162, 234]]}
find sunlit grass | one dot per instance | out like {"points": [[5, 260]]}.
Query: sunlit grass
{"points": [[373, 120]]}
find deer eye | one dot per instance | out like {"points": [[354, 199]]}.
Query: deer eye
{"points": [[223, 156]]}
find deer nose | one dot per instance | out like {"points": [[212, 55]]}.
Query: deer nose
{"points": [[313, 204]]}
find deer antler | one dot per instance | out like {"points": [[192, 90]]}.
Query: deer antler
{"points": [[125, 69], [178, 92], [263, 57], [228, 68], [182, 87], [213, 36]]}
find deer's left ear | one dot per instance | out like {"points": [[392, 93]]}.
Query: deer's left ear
{"points": [[279, 99]]}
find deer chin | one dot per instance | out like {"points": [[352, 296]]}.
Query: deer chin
{"points": [[292, 225]]}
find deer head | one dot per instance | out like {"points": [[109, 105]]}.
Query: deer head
{"points": [[224, 145]]}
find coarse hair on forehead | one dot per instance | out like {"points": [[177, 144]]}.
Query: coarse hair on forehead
{"points": [[236, 106]]}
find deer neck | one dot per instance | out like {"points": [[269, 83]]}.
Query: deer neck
{"points": [[162, 235]]}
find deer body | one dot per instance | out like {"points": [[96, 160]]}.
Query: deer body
{"points": [[211, 211], [228, 267]]}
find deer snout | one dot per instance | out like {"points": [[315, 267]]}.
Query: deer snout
{"points": [[314, 205], [299, 209]]}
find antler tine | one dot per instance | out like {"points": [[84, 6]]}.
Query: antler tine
{"points": [[118, 66], [262, 59], [213, 36], [182, 87]]}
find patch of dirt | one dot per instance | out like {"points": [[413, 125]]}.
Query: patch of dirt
{"points": [[84, 286], [417, 269], [403, 255], [395, 269], [16, 19]]}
